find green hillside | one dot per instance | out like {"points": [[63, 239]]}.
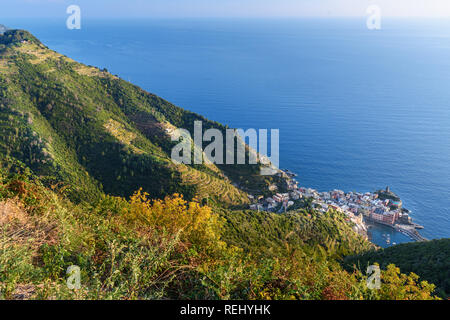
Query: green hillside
{"points": [[430, 260], [174, 249], [96, 133], [86, 179]]}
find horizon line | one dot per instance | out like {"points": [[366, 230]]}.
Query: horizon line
{"points": [[62, 17]]}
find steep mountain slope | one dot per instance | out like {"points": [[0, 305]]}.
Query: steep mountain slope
{"points": [[95, 132]]}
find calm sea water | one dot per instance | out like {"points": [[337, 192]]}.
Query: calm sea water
{"points": [[357, 110]]}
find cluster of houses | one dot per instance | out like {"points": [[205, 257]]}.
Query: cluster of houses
{"points": [[369, 205], [279, 201], [354, 205]]}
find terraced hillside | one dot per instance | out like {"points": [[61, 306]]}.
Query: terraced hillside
{"points": [[96, 133], [213, 188]]}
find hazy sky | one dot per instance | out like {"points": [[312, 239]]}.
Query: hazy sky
{"points": [[223, 8]]}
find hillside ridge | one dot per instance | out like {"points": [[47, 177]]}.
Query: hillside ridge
{"points": [[96, 132]]}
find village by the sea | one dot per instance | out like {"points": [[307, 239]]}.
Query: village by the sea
{"points": [[381, 210]]}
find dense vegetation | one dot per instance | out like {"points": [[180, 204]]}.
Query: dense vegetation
{"points": [[97, 133], [173, 248], [265, 233], [86, 179], [430, 260]]}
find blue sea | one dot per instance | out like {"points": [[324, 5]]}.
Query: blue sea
{"points": [[357, 110]]}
